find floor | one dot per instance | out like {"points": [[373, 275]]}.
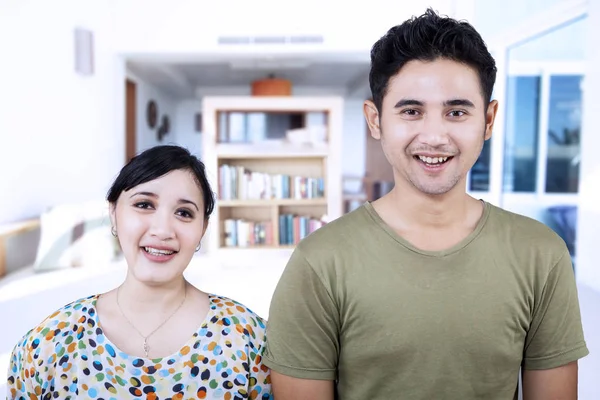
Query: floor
{"points": [[26, 298]]}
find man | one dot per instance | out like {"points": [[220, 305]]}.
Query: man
{"points": [[427, 293]]}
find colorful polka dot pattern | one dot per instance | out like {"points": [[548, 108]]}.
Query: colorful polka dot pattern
{"points": [[68, 357]]}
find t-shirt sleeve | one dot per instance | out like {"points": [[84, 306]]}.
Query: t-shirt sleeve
{"points": [[555, 336], [303, 325]]}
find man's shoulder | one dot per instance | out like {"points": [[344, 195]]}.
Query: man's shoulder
{"points": [[344, 228], [523, 231], [515, 221]]}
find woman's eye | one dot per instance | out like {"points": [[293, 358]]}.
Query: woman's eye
{"points": [[143, 205], [185, 214]]}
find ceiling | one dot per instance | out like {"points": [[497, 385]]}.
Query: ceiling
{"points": [[187, 79]]}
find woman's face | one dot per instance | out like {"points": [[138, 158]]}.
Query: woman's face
{"points": [[159, 224]]}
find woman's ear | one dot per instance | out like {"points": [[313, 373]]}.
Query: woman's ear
{"points": [[112, 210], [204, 227]]}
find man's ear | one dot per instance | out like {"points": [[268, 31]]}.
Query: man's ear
{"points": [[490, 118], [372, 117]]}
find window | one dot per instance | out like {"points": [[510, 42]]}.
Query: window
{"points": [[554, 140], [479, 177], [522, 126], [564, 127]]}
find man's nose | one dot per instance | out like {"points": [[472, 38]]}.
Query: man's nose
{"points": [[433, 131]]}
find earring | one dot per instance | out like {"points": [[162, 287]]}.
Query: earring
{"points": [[199, 247], [113, 231]]}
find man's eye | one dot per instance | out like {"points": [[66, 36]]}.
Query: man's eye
{"points": [[410, 112], [457, 113]]}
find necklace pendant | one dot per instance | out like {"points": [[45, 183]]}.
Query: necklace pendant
{"points": [[146, 347]]}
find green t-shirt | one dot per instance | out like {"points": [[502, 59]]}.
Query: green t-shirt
{"points": [[360, 305]]}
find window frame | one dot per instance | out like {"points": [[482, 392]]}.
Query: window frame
{"points": [[553, 18], [544, 70]]}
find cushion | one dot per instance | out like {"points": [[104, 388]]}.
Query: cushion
{"points": [[76, 235]]}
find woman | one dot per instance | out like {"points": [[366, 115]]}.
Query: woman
{"points": [[155, 336]]}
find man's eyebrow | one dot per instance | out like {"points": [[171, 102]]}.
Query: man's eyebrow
{"points": [[408, 102], [459, 102], [447, 103]]}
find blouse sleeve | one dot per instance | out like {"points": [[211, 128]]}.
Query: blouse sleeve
{"points": [[260, 374], [18, 385]]}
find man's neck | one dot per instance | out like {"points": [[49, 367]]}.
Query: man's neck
{"points": [[418, 210]]}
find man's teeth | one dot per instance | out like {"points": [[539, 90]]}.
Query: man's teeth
{"points": [[433, 160], [158, 252]]}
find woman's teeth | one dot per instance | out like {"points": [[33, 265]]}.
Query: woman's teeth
{"points": [[158, 252]]}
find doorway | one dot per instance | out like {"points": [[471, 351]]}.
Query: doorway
{"points": [[130, 119]]}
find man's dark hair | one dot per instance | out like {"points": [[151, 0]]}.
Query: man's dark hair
{"points": [[427, 38], [159, 161]]}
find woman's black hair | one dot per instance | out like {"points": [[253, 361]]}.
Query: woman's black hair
{"points": [[156, 162]]}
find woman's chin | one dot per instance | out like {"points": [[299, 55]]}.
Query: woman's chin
{"points": [[154, 276]]}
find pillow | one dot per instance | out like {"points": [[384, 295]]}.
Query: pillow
{"points": [[75, 235]]}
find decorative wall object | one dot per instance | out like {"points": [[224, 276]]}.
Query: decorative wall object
{"points": [[84, 52], [164, 128], [198, 122], [166, 123], [151, 113]]}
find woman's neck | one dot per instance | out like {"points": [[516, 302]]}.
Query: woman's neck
{"points": [[139, 297]]}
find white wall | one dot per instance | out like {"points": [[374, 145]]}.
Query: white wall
{"points": [[186, 134], [147, 137], [354, 142], [60, 138], [496, 17], [562, 44], [64, 133], [191, 26], [588, 226]]}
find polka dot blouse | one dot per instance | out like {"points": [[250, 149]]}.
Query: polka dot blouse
{"points": [[68, 357]]}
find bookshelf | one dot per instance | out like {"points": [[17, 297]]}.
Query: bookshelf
{"points": [[275, 166]]}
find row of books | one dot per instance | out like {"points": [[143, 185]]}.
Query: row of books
{"points": [[240, 183], [255, 127], [292, 229]]}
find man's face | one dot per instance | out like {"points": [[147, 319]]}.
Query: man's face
{"points": [[432, 124]]}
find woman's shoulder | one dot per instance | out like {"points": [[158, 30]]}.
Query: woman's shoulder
{"points": [[67, 323], [229, 312]]}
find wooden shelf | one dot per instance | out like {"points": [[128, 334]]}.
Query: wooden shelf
{"points": [[277, 167], [259, 150], [272, 202], [16, 228]]}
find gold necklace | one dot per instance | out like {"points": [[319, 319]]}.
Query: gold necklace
{"points": [[146, 346]]}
